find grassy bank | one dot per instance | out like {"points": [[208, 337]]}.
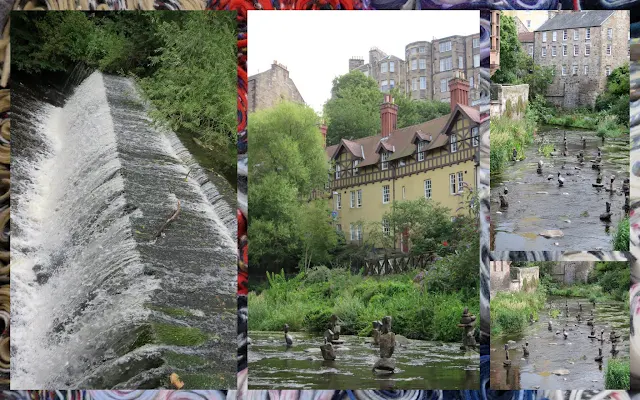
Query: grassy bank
{"points": [[617, 375], [510, 311], [307, 301], [604, 124], [507, 134], [621, 237]]}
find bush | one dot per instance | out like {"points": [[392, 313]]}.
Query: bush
{"points": [[618, 374], [621, 237], [507, 134], [318, 274], [511, 321]]}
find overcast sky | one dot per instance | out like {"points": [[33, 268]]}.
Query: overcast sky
{"points": [[315, 46]]}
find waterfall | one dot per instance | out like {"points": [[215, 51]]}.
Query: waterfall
{"points": [[102, 296]]}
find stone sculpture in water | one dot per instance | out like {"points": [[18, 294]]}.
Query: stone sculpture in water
{"points": [[385, 363], [467, 322]]}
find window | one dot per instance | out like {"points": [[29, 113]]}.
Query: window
{"points": [[392, 66], [587, 36], [446, 46], [422, 50], [454, 143], [544, 52], [423, 63], [353, 231], [460, 182], [554, 36], [352, 204], [475, 136], [421, 145], [337, 171], [383, 67], [565, 35], [443, 85], [576, 35], [359, 198], [355, 166], [423, 83], [476, 60], [587, 49], [574, 70], [414, 83], [452, 183], [384, 86], [446, 64], [564, 50], [544, 37], [384, 156], [359, 232], [471, 82], [586, 70], [386, 229], [385, 194], [564, 70], [608, 49], [576, 50], [414, 65], [607, 70], [528, 23], [413, 51], [339, 201], [476, 42], [531, 50], [610, 33], [460, 62], [392, 83], [427, 189], [553, 51]]}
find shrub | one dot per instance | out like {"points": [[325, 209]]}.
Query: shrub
{"points": [[617, 375], [621, 237], [318, 274]]}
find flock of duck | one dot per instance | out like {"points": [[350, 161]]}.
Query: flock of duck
{"points": [[595, 164], [614, 337]]}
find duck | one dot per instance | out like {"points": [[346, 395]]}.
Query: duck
{"points": [[606, 216], [506, 362], [564, 333], [287, 338], [550, 326], [599, 357], [525, 349], [560, 180]]}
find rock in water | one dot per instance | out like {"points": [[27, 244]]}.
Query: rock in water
{"points": [[385, 364], [552, 233], [560, 372]]}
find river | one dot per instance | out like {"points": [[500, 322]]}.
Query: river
{"points": [[549, 352], [419, 364], [537, 204]]}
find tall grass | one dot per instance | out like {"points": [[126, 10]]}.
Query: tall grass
{"points": [[617, 375], [510, 311], [507, 134], [621, 238], [307, 303]]}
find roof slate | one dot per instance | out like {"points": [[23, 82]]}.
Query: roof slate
{"points": [[582, 19]]}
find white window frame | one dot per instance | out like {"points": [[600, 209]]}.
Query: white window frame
{"points": [[452, 184], [565, 35], [587, 50], [443, 85], [564, 70], [471, 82], [607, 70], [476, 43], [454, 143], [576, 34], [421, 50], [359, 198], [445, 46], [339, 201], [543, 52], [427, 189], [565, 51], [392, 67], [392, 84], [414, 65], [355, 167], [386, 194], [421, 145], [337, 171], [531, 50], [553, 51], [460, 182], [386, 228], [475, 136], [587, 35], [352, 231], [384, 85], [446, 64], [352, 200], [414, 84], [574, 70], [610, 33], [359, 232], [609, 46], [544, 37], [586, 70], [383, 67], [476, 60], [384, 164], [576, 50], [554, 36], [422, 63], [423, 79], [460, 62]]}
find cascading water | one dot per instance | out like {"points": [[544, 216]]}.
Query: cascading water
{"points": [[106, 293]]}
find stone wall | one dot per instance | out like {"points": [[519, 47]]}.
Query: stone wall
{"points": [[509, 100], [504, 278], [268, 88], [572, 272], [500, 276]]}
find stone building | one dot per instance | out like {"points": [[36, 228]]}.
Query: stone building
{"points": [[268, 88], [427, 69], [433, 160], [526, 39], [494, 48], [583, 47]]}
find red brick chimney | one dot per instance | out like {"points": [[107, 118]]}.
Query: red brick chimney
{"points": [[388, 115], [459, 88], [323, 131]]}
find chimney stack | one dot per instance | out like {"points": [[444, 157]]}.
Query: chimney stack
{"points": [[323, 131], [459, 90], [388, 115]]}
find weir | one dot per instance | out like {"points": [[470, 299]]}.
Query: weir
{"points": [[105, 293]]}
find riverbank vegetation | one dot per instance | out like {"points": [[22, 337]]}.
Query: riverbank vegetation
{"points": [[508, 134], [618, 374], [510, 311], [621, 237], [191, 84]]}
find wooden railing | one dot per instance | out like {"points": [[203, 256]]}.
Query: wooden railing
{"points": [[390, 264]]}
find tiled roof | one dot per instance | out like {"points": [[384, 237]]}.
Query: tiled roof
{"points": [[582, 19], [525, 37]]}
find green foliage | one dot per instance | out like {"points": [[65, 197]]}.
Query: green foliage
{"points": [[617, 375], [508, 109], [510, 52], [413, 112], [621, 237], [507, 134], [615, 99], [317, 236], [510, 311], [536, 76], [353, 111], [545, 149]]}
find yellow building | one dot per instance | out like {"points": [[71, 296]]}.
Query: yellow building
{"points": [[435, 160]]}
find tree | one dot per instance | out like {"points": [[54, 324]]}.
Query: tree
{"points": [[353, 111], [510, 52], [536, 76], [413, 112], [615, 98], [317, 234]]}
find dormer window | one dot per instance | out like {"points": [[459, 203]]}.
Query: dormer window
{"points": [[454, 143], [421, 146], [355, 167], [337, 171], [384, 156]]}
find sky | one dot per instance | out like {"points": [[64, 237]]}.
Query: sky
{"points": [[316, 46]]}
